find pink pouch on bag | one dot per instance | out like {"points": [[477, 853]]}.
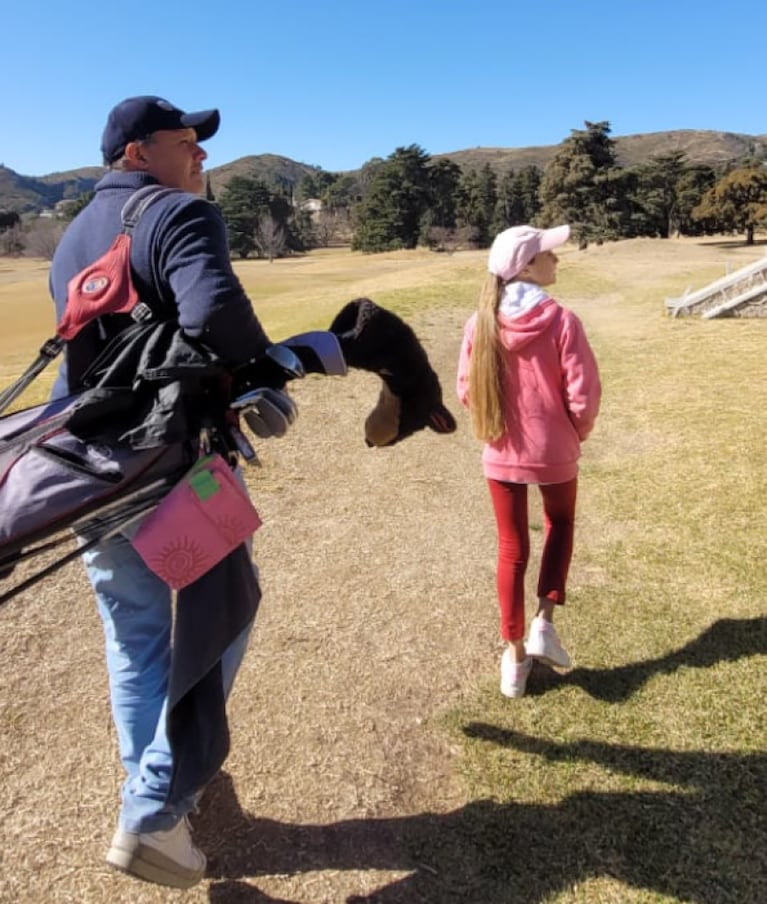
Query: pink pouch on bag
{"points": [[203, 518]]}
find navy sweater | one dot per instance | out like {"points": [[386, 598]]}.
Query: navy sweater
{"points": [[180, 261]]}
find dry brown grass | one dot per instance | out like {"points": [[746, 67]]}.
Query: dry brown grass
{"points": [[372, 757]]}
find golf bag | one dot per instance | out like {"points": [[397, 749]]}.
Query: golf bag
{"points": [[97, 461], [52, 480]]}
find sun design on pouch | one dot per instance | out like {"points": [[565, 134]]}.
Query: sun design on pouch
{"points": [[175, 561], [231, 528]]}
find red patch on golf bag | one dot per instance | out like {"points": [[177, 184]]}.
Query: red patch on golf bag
{"points": [[104, 287]]}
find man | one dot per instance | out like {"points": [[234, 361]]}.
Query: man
{"points": [[180, 265]]}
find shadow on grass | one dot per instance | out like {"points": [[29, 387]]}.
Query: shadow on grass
{"points": [[726, 640], [706, 844], [734, 242]]}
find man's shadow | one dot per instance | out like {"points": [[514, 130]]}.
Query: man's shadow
{"points": [[726, 640], [705, 844]]}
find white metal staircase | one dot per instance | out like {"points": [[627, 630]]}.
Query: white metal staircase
{"points": [[742, 293]]}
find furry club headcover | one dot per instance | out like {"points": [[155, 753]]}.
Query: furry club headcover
{"points": [[379, 341]]}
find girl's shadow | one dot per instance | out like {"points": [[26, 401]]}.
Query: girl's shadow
{"points": [[725, 640]]}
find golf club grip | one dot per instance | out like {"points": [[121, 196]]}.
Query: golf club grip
{"points": [[261, 372], [316, 357]]}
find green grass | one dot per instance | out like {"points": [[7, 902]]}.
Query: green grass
{"points": [[641, 774]]}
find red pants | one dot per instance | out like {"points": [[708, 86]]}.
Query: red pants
{"points": [[510, 507]]}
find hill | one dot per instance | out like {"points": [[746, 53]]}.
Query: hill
{"points": [[701, 146], [272, 168], [30, 194]]}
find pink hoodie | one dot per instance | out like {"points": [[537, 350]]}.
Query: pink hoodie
{"points": [[552, 392]]}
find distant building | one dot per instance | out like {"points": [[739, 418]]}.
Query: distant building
{"points": [[313, 206], [60, 207]]}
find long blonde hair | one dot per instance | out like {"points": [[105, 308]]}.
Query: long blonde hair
{"points": [[486, 366]]}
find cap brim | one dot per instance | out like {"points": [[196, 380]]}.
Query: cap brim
{"points": [[553, 238], [205, 123]]}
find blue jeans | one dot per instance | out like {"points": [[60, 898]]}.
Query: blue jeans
{"points": [[135, 607]]}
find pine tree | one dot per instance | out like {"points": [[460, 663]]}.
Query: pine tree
{"points": [[518, 198], [390, 214], [477, 205], [581, 186], [244, 201], [656, 191]]}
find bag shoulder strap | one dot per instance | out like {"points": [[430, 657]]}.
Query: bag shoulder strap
{"points": [[135, 207]]}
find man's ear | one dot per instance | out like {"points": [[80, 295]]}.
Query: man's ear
{"points": [[135, 155]]}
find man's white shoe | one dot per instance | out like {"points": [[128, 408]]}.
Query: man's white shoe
{"points": [[167, 858], [543, 644], [514, 675]]}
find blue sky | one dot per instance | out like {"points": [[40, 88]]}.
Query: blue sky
{"points": [[338, 83]]}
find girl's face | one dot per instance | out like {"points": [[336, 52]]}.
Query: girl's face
{"points": [[542, 269]]}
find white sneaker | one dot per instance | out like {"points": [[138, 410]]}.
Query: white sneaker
{"points": [[543, 644], [514, 675], [167, 858]]}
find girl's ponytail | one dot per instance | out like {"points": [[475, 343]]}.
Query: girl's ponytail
{"points": [[486, 366]]}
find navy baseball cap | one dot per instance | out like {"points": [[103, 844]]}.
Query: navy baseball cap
{"points": [[138, 117]]}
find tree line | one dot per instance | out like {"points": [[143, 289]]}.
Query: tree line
{"points": [[409, 200]]}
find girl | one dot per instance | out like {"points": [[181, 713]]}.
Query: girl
{"points": [[530, 381]]}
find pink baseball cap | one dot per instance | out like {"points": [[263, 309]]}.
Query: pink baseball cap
{"points": [[513, 248]]}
